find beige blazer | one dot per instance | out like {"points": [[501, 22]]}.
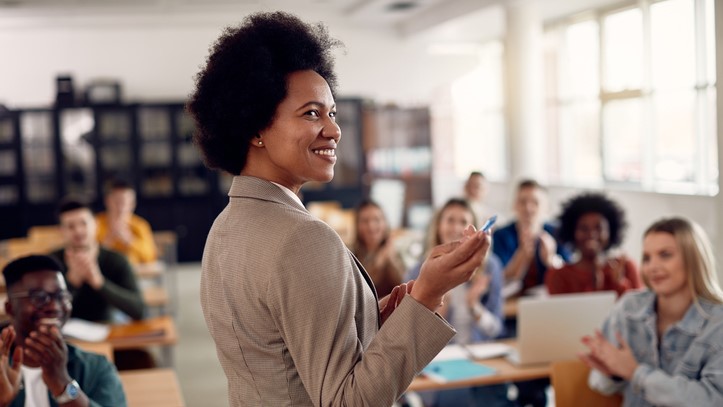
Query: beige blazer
{"points": [[295, 317]]}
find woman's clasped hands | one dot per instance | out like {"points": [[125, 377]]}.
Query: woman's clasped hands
{"points": [[607, 358]]}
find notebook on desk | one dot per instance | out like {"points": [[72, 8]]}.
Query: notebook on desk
{"points": [[550, 328]]}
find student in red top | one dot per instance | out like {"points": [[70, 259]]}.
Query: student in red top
{"points": [[594, 225]]}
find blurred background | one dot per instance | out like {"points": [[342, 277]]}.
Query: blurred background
{"points": [[610, 95]]}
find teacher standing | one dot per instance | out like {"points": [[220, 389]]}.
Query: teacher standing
{"points": [[294, 316]]}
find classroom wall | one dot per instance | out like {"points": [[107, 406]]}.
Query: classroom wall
{"points": [[155, 55]]}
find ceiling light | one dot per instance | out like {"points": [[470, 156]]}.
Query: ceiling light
{"points": [[401, 5]]}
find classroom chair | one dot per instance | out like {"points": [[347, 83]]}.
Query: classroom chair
{"points": [[569, 380]]}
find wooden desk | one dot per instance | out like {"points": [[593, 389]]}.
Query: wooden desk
{"points": [[155, 296], [505, 372], [152, 388], [101, 348], [151, 271], [159, 331]]}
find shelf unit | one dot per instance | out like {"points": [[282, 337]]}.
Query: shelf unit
{"points": [[49, 153]]}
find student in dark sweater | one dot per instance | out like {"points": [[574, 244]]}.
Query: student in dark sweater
{"points": [[100, 280]]}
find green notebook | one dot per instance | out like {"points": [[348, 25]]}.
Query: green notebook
{"points": [[455, 369]]}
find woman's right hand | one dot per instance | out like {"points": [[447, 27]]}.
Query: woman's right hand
{"points": [[609, 359], [448, 266], [9, 374]]}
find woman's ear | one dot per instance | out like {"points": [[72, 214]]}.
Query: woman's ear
{"points": [[256, 141]]}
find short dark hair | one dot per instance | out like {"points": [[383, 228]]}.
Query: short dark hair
{"points": [[244, 81], [114, 184], [16, 269], [530, 183], [71, 204], [476, 174], [591, 202]]}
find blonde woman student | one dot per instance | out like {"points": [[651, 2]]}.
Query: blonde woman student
{"points": [[664, 346]]}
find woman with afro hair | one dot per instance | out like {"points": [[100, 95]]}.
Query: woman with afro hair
{"points": [[593, 224], [295, 318]]}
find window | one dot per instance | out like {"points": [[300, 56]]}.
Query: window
{"points": [[478, 117], [631, 98]]}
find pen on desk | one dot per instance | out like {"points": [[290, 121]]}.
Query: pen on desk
{"points": [[489, 223]]}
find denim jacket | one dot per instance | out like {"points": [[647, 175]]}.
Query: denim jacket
{"points": [[685, 369]]}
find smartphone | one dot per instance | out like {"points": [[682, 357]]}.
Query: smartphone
{"points": [[488, 224]]}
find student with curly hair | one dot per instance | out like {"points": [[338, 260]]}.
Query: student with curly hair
{"points": [[593, 224], [295, 317]]}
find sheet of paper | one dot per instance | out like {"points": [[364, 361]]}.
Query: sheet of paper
{"points": [[86, 330], [488, 350], [451, 352]]}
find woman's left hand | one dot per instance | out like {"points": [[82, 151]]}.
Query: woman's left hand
{"points": [[389, 303], [609, 359]]}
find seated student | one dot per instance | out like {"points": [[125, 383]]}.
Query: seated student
{"points": [[475, 192], [43, 369], [662, 346], [375, 249], [527, 247], [100, 280], [120, 229], [594, 224], [474, 309]]}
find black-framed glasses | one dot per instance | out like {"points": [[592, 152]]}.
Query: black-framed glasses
{"points": [[41, 298]]}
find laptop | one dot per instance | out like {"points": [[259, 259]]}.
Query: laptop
{"points": [[549, 329]]}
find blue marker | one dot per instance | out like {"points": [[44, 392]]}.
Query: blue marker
{"points": [[488, 224]]}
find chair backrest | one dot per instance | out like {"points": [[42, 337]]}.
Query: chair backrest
{"points": [[569, 380]]}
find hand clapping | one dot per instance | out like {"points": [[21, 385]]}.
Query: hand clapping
{"points": [[83, 267], [10, 376], [479, 286], [607, 358], [46, 348]]}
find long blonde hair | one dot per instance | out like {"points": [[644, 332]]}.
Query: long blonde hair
{"points": [[697, 254]]}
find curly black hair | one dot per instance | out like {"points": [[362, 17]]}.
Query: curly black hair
{"points": [[244, 81], [585, 203]]}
